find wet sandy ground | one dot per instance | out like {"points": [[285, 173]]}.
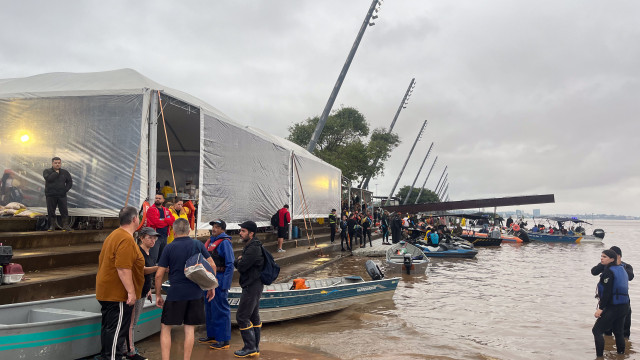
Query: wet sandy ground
{"points": [[150, 348]]}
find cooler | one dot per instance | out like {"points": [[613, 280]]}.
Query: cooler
{"points": [[12, 273]]}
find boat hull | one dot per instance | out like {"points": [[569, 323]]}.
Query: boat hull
{"points": [[482, 241], [292, 304], [536, 236], [61, 329]]}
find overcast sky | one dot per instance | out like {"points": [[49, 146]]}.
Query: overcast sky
{"points": [[522, 97]]}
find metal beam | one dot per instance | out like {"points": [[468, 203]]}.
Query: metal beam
{"points": [[425, 180], [424, 124], [473, 204], [438, 185], [418, 174], [403, 104], [336, 88]]}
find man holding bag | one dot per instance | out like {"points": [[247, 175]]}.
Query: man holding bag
{"points": [[184, 303]]}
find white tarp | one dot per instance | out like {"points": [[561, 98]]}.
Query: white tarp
{"points": [[96, 121]]}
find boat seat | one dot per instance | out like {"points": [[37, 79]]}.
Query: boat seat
{"points": [[50, 314], [397, 257]]}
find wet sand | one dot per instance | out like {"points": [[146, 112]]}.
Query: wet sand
{"points": [[150, 348]]}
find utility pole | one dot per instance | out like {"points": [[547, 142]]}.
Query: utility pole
{"points": [[437, 186], [403, 105], [418, 174], [424, 124], [425, 180], [375, 6]]}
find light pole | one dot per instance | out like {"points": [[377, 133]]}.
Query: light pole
{"points": [[424, 124], [403, 105], [375, 6], [418, 174], [425, 180]]}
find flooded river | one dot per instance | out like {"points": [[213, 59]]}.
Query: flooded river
{"points": [[531, 301]]}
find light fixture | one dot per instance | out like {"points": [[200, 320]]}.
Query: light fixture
{"points": [[24, 138], [374, 17], [371, 23]]}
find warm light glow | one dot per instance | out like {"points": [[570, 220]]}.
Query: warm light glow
{"points": [[24, 138]]}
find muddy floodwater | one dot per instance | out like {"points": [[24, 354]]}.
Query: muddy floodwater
{"points": [[531, 301]]}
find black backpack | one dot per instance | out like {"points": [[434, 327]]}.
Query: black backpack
{"points": [[271, 270], [275, 219]]}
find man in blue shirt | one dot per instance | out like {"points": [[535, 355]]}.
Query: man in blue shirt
{"points": [[217, 311], [184, 303]]}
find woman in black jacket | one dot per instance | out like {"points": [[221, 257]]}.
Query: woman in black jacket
{"points": [[613, 292]]}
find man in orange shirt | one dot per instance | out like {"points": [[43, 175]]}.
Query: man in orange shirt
{"points": [[119, 283]]}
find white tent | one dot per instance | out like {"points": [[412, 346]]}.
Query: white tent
{"points": [[98, 123]]}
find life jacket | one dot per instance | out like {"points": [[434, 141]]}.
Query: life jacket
{"points": [[435, 238], [299, 284], [212, 248], [620, 285]]}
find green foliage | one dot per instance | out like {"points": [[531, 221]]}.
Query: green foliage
{"points": [[427, 195], [344, 144]]}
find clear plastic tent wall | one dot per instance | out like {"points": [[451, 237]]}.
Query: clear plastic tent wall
{"points": [[96, 121], [96, 137]]}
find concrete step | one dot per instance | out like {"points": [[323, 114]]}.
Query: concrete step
{"points": [[40, 285], [55, 257], [17, 223], [46, 239]]}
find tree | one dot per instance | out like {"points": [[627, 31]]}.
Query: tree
{"points": [[344, 144], [427, 195]]}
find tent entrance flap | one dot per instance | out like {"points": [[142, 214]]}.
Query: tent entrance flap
{"points": [[182, 123]]}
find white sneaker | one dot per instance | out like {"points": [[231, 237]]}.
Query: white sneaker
{"points": [[282, 250]]}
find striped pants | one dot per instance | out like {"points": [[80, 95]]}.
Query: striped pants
{"points": [[116, 318]]}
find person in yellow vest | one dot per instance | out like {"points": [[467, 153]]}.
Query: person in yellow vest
{"points": [[167, 189], [177, 211]]}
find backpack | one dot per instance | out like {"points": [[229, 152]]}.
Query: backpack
{"points": [[198, 270], [42, 224], [271, 269], [275, 219]]}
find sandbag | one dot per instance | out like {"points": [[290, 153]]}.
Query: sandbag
{"points": [[15, 206]]}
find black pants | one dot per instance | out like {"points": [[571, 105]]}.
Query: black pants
{"points": [[249, 305], [612, 317], [352, 234], [367, 232], [333, 232], [116, 318], [358, 235], [627, 325], [53, 203], [344, 239]]}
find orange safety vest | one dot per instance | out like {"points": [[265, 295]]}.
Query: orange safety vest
{"points": [[299, 284]]}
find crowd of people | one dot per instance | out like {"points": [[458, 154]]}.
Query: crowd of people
{"points": [[130, 272]]}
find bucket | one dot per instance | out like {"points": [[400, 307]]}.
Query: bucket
{"points": [[295, 232]]}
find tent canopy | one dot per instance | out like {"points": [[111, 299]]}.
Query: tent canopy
{"points": [[97, 122]]}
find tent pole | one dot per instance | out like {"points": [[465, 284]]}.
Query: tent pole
{"points": [[164, 125], [292, 182], [153, 144]]}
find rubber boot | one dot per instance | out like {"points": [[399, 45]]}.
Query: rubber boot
{"points": [[249, 339], [65, 224], [206, 340], [220, 345], [256, 332]]}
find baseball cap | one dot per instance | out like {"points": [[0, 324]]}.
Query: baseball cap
{"points": [[148, 231], [220, 223]]}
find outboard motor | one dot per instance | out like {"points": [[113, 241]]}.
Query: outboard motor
{"points": [[495, 234], [408, 261], [373, 270], [599, 233]]}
